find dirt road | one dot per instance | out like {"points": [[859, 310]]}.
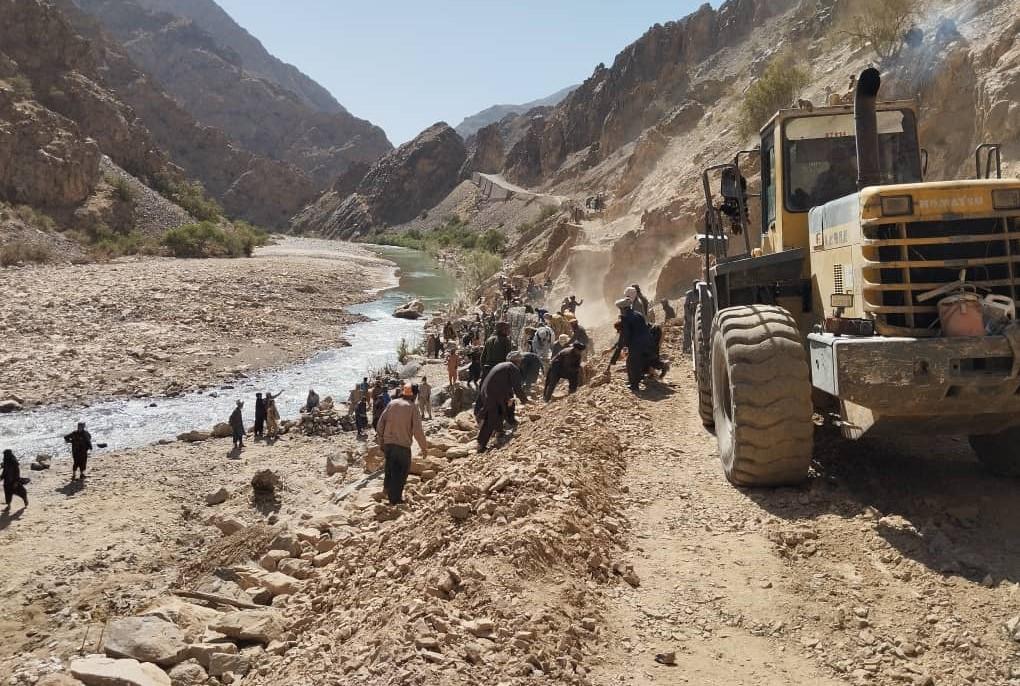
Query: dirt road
{"points": [[896, 564]]}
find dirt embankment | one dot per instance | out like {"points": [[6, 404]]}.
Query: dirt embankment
{"points": [[159, 326], [601, 536]]}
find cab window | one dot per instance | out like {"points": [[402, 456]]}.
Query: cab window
{"points": [[768, 176], [821, 156]]}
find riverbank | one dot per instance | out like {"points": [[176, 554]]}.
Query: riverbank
{"points": [[144, 327]]}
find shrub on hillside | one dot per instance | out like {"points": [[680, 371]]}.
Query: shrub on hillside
{"points": [[189, 195], [880, 25], [21, 87], [24, 252], [30, 216], [479, 266], [207, 239], [122, 188], [778, 87]]}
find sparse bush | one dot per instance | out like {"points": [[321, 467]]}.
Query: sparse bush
{"points": [[777, 87], [880, 25], [189, 195], [121, 187], [455, 234], [207, 239], [35, 218], [26, 252], [479, 266], [103, 243], [21, 86]]}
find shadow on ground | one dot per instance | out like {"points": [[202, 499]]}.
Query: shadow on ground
{"points": [[929, 497]]}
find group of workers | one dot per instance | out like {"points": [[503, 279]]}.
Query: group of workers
{"points": [[80, 441]]}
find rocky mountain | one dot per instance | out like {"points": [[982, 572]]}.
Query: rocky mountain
{"points": [[414, 177], [211, 19], [490, 115], [210, 79]]}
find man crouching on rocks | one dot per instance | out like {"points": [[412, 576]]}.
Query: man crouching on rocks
{"points": [[492, 407], [399, 424]]}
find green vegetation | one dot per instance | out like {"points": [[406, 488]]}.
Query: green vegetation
{"points": [[881, 26], [778, 87], [28, 215], [479, 267], [25, 252], [121, 187], [454, 234], [189, 195], [104, 243], [208, 239], [21, 86]]}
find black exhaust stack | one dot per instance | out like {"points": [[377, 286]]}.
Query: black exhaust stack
{"points": [[866, 121]]}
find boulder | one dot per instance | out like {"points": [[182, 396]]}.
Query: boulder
{"points": [[261, 626], [272, 558], [222, 430], [374, 459], [266, 481], [58, 679], [96, 670], [188, 674], [218, 496], [335, 466], [278, 583], [228, 525], [297, 568], [202, 652], [465, 421], [9, 406], [146, 639], [190, 618], [193, 436], [407, 314], [286, 541], [221, 663]]}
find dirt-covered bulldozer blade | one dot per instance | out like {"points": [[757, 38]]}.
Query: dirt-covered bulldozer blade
{"points": [[888, 300]]}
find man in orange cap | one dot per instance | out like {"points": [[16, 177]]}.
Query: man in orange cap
{"points": [[399, 425]]}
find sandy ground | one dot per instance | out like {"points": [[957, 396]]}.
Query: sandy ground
{"points": [[160, 326]]}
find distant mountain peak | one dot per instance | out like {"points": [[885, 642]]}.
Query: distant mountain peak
{"points": [[495, 113]]}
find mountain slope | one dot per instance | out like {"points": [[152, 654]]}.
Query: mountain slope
{"points": [[491, 115], [213, 83], [212, 19]]}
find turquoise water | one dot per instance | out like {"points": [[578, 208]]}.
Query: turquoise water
{"points": [[133, 423]]}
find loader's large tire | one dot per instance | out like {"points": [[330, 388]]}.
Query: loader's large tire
{"points": [[762, 396], [999, 453], [702, 342]]}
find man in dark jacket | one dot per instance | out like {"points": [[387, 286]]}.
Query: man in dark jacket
{"points": [[579, 335], [81, 444], [496, 348], [531, 369], [636, 337], [493, 405], [14, 485], [260, 416], [566, 365], [237, 425], [667, 310]]}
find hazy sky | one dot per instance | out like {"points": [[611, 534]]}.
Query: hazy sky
{"points": [[406, 64]]}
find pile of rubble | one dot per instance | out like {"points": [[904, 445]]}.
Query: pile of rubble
{"points": [[453, 587], [325, 420]]}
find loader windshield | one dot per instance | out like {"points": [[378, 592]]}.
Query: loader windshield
{"points": [[821, 156]]}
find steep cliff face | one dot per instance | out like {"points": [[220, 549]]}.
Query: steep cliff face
{"points": [[646, 81], [212, 82], [211, 19], [414, 177], [260, 190]]}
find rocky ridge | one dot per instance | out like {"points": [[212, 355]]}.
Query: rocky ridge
{"points": [[414, 177], [471, 124], [211, 81]]}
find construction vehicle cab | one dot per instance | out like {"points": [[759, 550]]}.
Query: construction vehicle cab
{"points": [[867, 296]]}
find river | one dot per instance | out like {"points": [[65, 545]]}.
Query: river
{"points": [[123, 424]]}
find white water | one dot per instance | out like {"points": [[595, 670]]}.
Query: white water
{"points": [[133, 423]]}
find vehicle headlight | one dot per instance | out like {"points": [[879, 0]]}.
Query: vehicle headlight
{"points": [[897, 205], [1006, 199]]}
